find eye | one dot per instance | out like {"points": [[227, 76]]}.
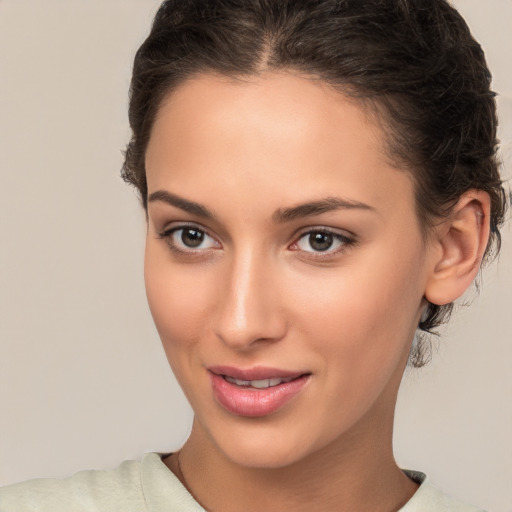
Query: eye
{"points": [[322, 241], [188, 239]]}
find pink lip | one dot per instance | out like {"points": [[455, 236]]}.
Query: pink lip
{"points": [[251, 402]]}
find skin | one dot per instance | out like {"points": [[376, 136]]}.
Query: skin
{"points": [[257, 293]]}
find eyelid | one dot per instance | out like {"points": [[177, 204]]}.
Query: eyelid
{"points": [[167, 233], [175, 225], [348, 240], [321, 228]]}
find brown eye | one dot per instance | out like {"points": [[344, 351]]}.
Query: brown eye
{"points": [[192, 237], [321, 241], [189, 239]]}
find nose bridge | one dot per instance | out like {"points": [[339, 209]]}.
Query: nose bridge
{"points": [[248, 309]]}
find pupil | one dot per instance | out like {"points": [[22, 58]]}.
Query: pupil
{"points": [[192, 237], [320, 241]]}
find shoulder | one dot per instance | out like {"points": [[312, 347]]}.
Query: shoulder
{"points": [[428, 497], [95, 490], [133, 487]]}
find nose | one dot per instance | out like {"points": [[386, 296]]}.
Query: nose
{"points": [[249, 309]]}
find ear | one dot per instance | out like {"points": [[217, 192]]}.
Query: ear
{"points": [[459, 245]]}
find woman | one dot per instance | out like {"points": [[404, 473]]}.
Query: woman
{"points": [[319, 180]]}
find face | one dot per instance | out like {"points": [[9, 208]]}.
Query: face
{"points": [[285, 267]]}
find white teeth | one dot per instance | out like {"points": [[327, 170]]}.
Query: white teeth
{"points": [[264, 383], [258, 384]]}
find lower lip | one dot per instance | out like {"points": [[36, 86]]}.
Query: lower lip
{"points": [[252, 402]]}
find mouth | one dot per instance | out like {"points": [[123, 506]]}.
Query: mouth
{"points": [[255, 392], [258, 384]]}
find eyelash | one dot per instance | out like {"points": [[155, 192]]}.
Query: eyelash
{"points": [[167, 236], [345, 241]]}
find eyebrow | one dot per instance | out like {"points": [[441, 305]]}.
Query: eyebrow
{"points": [[181, 203], [280, 216], [324, 205]]}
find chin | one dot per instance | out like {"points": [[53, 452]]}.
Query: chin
{"points": [[267, 444], [255, 456]]}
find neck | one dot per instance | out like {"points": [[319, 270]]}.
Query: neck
{"points": [[356, 472]]}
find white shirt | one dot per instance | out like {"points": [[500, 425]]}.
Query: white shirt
{"points": [[149, 486]]}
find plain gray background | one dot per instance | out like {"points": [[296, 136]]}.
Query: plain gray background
{"points": [[83, 380]]}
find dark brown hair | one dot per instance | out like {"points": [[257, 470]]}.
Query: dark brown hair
{"points": [[413, 62]]}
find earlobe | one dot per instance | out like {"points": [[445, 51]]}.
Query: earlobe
{"points": [[461, 241]]}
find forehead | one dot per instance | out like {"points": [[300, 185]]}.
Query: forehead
{"points": [[281, 105], [277, 130]]}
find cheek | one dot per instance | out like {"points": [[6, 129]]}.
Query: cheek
{"points": [[178, 299], [364, 316]]}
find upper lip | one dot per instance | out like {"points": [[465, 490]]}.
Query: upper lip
{"points": [[255, 373]]}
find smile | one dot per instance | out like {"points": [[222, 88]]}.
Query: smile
{"points": [[256, 392], [257, 384]]}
